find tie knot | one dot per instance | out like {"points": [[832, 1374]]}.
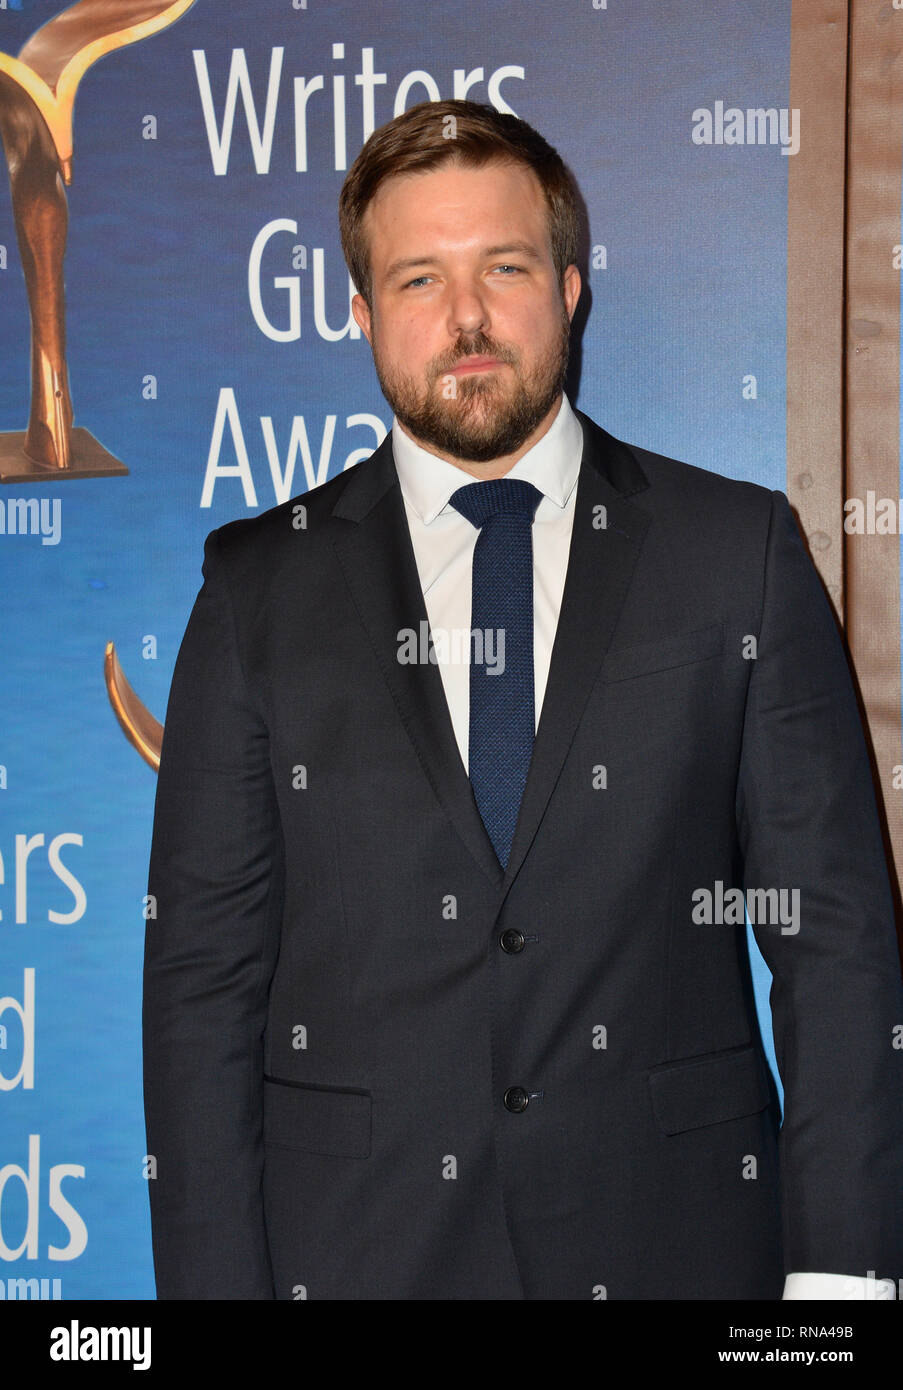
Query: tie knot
{"points": [[479, 501]]}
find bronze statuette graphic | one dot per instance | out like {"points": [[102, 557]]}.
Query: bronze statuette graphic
{"points": [[37, 94], [142, 730]]}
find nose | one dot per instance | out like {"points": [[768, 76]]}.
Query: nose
{"points": [[467, 312]]}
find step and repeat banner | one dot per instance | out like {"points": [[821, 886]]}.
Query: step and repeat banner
{"points": [[176, 341]]}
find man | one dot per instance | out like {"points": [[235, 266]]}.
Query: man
{"points": [[434, 1008]]}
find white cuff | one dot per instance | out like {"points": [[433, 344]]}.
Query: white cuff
{"points": [[837, 1286]]}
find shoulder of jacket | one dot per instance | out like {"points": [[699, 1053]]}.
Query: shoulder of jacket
{"points": [[694, 482], [265, 534]]}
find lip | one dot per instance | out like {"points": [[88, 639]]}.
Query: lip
{"points": [[477, 364]]}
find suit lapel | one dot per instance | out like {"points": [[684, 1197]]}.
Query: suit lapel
{"points": [[378, 561], [601, 562], [374, 548]]}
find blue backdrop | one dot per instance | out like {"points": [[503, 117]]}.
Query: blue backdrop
{"points": [[224, 391]]}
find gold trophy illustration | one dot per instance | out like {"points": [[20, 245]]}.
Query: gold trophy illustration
{"points": [[37, 95], [143, 731]]}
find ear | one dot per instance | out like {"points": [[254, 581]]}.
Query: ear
{"points": [[570, 289], [361, 311]]}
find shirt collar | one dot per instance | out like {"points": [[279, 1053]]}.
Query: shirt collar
{"points": [[551, 465]]}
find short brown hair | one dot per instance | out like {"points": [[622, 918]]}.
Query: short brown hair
{"points": [[418, 140]]}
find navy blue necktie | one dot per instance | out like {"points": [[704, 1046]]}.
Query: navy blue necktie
{"points": [[502, 712]]}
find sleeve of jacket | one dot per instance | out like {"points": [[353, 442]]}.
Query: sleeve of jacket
{"points": [[215, 877], [808, 821]]}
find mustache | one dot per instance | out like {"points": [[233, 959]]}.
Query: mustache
{"points": [[478, 346]]}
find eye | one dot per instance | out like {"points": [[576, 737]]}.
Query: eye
{"points": [[422, 279]]}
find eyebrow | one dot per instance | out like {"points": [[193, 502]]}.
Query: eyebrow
{"points": [[517, 248]]}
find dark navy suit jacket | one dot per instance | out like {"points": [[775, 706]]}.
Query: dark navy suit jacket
{"points": [[342, 985]]}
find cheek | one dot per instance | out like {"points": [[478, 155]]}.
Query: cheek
{"points": [[407, 342], [530, 333]]}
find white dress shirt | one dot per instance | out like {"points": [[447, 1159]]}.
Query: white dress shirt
{"points": [[443, 541]]}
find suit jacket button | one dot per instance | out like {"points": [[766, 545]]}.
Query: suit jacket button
{"points": [[516, 1099], [512, 941]]}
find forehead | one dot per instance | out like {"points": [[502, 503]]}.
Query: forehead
{"points": [[456, 205]]}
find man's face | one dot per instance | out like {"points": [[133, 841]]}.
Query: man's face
{"points": [[469, 325]]}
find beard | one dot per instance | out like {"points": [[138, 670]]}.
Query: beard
{"points": [[486, 418]]}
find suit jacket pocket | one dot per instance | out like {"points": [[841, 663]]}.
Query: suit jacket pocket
{"points": [[316, 1119], [680, 649], [707, 1089]]}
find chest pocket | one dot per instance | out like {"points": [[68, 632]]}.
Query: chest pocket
{"points": [[664, 653]]}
